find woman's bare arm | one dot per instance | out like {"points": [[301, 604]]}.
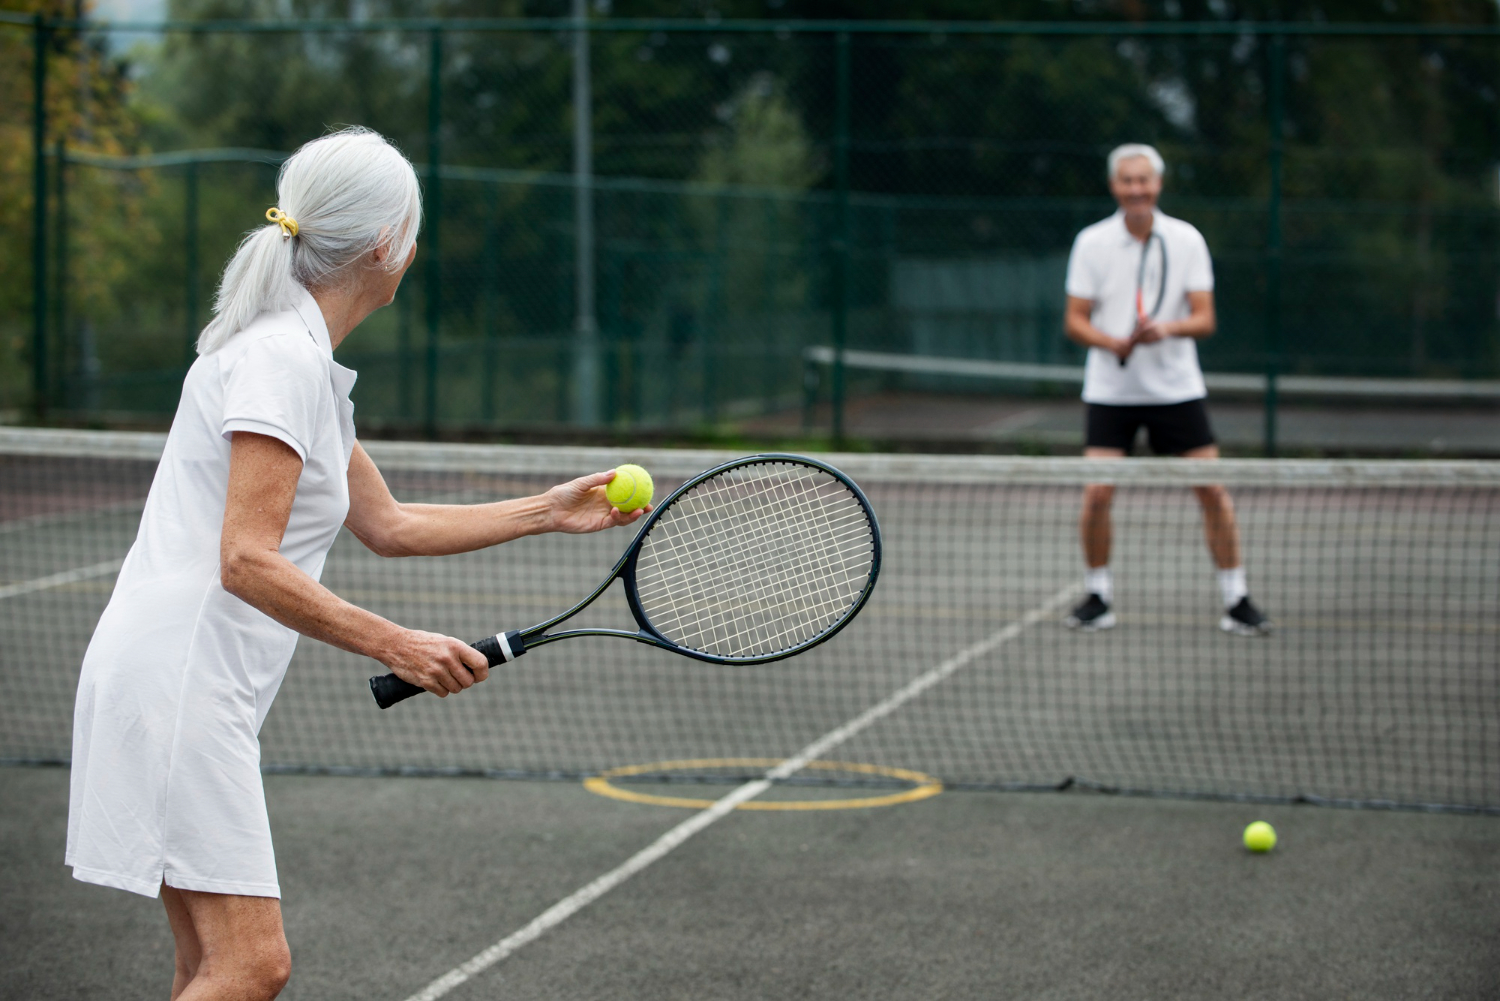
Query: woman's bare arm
{"points": [[263, 474], [391, 528]]}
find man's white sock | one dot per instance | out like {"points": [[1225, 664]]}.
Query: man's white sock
{"points": [[1098, 580], [1232, 586]]}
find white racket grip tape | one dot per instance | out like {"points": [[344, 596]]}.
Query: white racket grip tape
{"points": [[502, 648]]}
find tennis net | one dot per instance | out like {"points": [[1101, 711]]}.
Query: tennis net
{"points": [[1379, 686]]}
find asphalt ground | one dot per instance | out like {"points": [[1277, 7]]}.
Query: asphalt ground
{"points": [[390, 882], [1380, 683]]}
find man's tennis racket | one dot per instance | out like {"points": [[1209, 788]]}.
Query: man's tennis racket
{"points": [[1143, 278], [752, 561]]}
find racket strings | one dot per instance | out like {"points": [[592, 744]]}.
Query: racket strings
{"points": [[1151, 276], [777, 567], [755, 561], [782, 555], [767, 522], [776, 546]]}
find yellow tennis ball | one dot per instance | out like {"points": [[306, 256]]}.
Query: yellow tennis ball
{"points": [[630, 489], [1260, 837]]}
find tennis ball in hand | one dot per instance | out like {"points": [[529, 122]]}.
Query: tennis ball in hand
{"points": [[1260, 837], [630, 489]]}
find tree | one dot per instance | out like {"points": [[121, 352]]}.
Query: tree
{"points": [[87, 107]]}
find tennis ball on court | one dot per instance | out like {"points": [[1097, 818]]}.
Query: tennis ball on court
{"points": [[1260, 837], [630, 489]]}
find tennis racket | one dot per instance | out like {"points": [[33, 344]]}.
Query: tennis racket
{"points": [[752, 561], [1143, 276]]}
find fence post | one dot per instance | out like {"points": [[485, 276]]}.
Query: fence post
{"points": [[771, 340], [190, 261], [434, 207], [1273, 240], [491, 306], [713, 331], [404, 364], [42, 38], [841, 235], [585, 323], [60, 278]]}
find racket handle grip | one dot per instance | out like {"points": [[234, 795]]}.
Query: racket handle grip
{"points": [[501, 648]]}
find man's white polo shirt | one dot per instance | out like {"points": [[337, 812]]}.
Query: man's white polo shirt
{"points": [[1103, 267]]}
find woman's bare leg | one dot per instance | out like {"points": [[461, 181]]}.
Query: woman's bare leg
{"points": [[229, 947], [189, 950]]}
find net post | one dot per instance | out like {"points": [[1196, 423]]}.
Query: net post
{"points": [[1273, 238], [840, 302], [41, 39], [434, 209]]}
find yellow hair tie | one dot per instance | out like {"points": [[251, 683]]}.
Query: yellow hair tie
{"points": [[287, 223]]}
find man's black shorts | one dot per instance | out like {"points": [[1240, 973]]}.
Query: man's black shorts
{"points": [[1171, 428]]}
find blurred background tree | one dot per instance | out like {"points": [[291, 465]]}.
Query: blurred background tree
{"points": [[984, 148]]}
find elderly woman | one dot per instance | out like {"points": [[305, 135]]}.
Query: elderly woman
{"points": [[259, 471]]}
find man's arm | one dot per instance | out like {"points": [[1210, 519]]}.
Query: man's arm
{"points": [[1079, 326], [1200, 323]]}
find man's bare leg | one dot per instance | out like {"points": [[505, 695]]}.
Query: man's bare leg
{"points": [[1094, 529], [1222, 532], [1095, 536], [1219, 526], [229, 947]]}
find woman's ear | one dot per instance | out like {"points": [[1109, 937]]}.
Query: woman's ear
{"points": [[380, 253]]}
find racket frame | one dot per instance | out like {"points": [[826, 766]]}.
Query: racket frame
{"points": [[1140, 278], [504, 647]]}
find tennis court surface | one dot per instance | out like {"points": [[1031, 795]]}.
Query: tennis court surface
{"points": [[1379, 688]]}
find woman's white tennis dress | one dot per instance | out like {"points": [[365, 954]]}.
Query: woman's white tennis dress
{"points": [[178, 678]]}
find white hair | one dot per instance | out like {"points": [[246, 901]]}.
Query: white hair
{"points": [[1130, 151], [349, 192]]}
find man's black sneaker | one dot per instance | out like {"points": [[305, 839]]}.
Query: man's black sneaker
{"points": [[1245, 619], [1093, 614]]}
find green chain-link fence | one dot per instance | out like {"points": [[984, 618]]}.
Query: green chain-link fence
{"points": [[761, 198]]}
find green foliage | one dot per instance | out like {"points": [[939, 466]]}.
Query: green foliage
{"points": [[87, 94], [712, 152], [764, 147]]}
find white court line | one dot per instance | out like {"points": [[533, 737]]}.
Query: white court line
{"points": [[570, 905], [59, 579], [36, 521]]}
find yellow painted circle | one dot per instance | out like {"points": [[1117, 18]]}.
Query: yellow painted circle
{"points": [[923, 786]]}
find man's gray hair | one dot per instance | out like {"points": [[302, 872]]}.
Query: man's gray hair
{"points": [[1130, 151]]}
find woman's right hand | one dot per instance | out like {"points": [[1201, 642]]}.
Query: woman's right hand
{"points": [[438, 663]]}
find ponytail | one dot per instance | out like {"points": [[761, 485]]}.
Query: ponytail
{"points": [[340, 197], [258, 279]]}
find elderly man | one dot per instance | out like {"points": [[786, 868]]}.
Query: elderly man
{"points": [[1140, 292]]}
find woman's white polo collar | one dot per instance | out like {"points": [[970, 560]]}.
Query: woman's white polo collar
{"points": [[307, 308]]}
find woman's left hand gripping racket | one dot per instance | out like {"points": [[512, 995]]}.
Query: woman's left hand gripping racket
{"points": [[752, 561]]}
